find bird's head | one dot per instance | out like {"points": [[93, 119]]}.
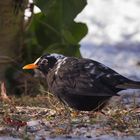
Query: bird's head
{"points": [[45, 62]]}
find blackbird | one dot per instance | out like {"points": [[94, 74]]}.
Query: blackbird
{"points": [[82, 84]]}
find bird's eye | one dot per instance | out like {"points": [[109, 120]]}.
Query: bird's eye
{"points": [[44, 61]]}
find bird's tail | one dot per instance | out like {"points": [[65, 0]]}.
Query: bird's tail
{"points": [[129, 85]]}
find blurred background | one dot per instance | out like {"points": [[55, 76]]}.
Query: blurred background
{"points": [[106, 31]]}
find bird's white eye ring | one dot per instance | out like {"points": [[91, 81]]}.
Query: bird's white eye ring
{"points": [[44, 61]]}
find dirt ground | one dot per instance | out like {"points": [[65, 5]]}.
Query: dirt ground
{"points": [[29, 118]]}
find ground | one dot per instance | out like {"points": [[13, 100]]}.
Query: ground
{"points": [[28, 118]]}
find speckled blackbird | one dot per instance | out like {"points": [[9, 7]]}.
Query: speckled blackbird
{"points": [[81, 83]]}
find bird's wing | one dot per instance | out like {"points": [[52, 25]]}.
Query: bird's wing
{"points": [[88, 77]]}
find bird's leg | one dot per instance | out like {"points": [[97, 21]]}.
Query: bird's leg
{"points": [[68, 115]]}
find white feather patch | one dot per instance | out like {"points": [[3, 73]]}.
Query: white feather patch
{"points": [[59, 64]]}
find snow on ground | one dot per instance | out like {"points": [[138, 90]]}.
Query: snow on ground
{"points": [[114, 34]]}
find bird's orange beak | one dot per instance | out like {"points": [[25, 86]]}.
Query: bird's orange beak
{"points": [[30, 66]]}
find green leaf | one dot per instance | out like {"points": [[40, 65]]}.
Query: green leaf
{"points": [[54, 30], [61, 10], [68, 50], [45, 33], [75, 32], [57, 25]]}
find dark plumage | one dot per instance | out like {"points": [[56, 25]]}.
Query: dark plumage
{"points": [[81, 83]]}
